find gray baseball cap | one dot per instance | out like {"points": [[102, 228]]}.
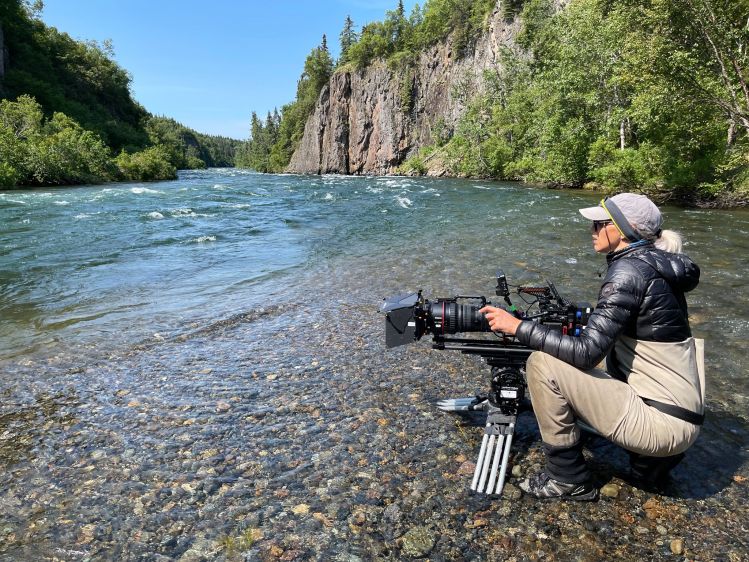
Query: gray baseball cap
{"points": [[639, 211]]}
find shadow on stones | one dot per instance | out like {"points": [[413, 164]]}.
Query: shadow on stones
{"points": [[708, 468]]}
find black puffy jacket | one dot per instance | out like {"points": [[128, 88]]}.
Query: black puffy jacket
{"points": [[642, 296]]}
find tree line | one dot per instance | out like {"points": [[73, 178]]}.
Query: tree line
{"points": [[67, 115], [621, 95]]}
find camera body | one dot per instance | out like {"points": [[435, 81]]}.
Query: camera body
{"points": [[408, 317]]}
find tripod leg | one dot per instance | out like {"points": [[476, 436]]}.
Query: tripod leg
{"points": [[480, 461], [505, 458], [495, 464], [487, 462]]}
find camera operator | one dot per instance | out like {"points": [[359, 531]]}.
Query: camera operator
{"points": [[649, 399]]}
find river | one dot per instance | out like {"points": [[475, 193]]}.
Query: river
{"points": [[167, 349]]}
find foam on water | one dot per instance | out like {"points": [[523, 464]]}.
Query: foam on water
{"points": [[141, 190], [400, 183], [204, 239], [8, 200], [404, 202]]}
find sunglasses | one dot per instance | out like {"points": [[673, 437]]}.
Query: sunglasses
{"points": [[598, 225]]}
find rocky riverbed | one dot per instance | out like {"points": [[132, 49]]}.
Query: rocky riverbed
{"points": [[290, 433]]}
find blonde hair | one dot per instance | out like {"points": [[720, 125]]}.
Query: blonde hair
{"points": [[669, 241]]}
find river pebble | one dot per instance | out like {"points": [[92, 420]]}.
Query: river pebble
{"points": [[610, 490], [417, 542]]}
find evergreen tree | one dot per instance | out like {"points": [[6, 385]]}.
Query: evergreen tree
{"points": [[348, 38]]}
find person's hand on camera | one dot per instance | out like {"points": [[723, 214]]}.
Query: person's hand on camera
{"points": [[500, 320]]}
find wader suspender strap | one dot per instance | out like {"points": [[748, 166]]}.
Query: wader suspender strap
{"points": [[676, 411]]}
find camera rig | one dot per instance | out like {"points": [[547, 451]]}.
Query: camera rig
{"points": [[409, 317]]}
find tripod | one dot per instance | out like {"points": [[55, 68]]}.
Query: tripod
{"points": [[500, 405]]}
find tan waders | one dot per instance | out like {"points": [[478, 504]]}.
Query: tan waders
{"points": [[561, 393]]}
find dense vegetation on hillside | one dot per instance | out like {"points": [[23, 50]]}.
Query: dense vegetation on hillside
{"points": [[67, 115], [632, 95], [639, 95]]}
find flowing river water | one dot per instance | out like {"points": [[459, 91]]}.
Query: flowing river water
{"points": [[196, 370]]}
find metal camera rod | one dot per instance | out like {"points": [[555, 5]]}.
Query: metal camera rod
{"points": [[500, 350]]}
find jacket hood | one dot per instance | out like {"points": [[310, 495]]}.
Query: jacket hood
{"points": [[677, 269]]}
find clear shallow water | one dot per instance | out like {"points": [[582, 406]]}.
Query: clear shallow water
{"points": [[174, 354], [109, 267]]}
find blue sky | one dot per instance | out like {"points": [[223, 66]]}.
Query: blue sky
{"points": [[210, 64]]}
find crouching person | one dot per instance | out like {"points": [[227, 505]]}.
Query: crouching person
{"points": [[649, 399]]}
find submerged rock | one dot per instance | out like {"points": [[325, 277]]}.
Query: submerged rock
{"points": [[417, 542], [610, 490]]}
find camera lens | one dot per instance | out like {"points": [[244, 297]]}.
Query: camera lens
{"points": [[454, 318]]}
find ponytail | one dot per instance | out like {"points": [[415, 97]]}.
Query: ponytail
{"points": [[669, 241]]}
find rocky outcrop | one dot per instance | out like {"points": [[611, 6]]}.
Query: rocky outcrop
{"points": [[369, 121]]}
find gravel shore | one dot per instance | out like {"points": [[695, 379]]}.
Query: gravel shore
{"points": [[291, 434]]}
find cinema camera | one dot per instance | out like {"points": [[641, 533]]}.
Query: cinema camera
{"points": [[409, 317]]}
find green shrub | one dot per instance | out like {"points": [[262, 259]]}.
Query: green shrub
{"points": [[633, 169], [413, 166], [406, 89], [147, 165], [194, 163], [9, 176], [54, 152]]}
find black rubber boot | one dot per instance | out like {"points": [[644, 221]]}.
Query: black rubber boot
{"points": [[566, 464], [652, 472]]}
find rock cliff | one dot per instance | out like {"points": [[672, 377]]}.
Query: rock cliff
{"points": [[369, 121]]}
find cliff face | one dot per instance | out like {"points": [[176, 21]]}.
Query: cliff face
{"points": [[363, 125]]}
